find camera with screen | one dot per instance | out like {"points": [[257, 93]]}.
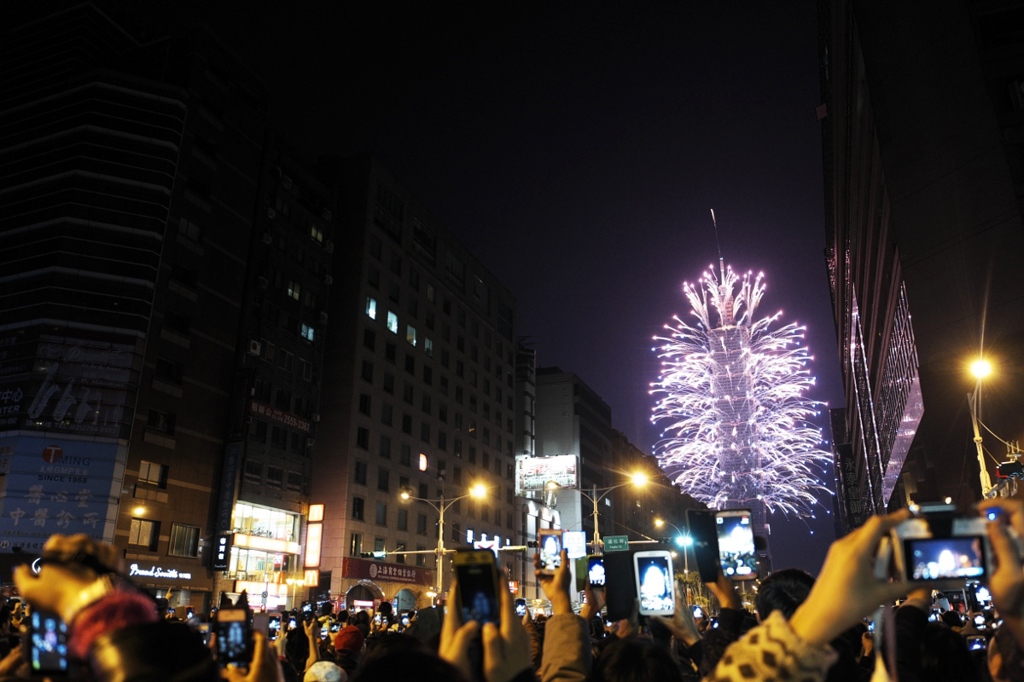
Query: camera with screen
{"points": [[937, 547]]}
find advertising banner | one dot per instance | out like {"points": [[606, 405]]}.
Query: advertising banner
{"points": [[57, 485], [380, 571], [534, 473]]}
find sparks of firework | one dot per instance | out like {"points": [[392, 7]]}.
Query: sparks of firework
{"points": [[736, 427]]}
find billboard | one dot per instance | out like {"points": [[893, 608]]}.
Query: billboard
{"points": [[534, 473], [57, 485]]}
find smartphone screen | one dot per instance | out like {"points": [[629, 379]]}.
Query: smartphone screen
{"points": [[550, 549], [655, 583], [595, 570], [520, 607], [48, 643], [234, 636], [698, 612], [736, 544], [274, 627], [477, 575], [944, 558]]}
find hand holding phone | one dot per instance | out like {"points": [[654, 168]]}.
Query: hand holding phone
{"points": [[47, 644], [550, 542], [595, 571], [478, 584], [655, 582], [234, 636]]}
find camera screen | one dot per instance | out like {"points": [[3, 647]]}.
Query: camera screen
{"points": [[476, 586], [944, 558], [595, 572], [698, 612], [49, 643], [232, 635], [550, 551], [655, 579], [736, 545]]}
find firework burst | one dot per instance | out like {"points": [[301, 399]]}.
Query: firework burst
{"points": [[736, 428]]}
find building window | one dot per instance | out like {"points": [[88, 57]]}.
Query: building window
{"points": [[428, 347], [153, 473], [371, 308], [382, 514], [367, 371], [403, 519], [385, 447], [184, 540], [293, 481], [294, 290], [392, 323], [364, 404], [405, 455], [410, 334], [421, 524], [383, 479], [386, 414], [161, 421], [355, 545], [363, 438], [357, 508], [316, 234], [253, 472], [421, 559], [307, 332], [360, 475], [144, 533]]}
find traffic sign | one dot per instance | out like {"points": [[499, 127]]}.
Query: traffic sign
{"points": [[616, 543]]}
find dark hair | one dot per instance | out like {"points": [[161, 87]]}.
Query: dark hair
{"points": [[784, 591], [401, 664], [343, 616], [952, 619], [635, 660], [386, 608], [714, 643], [944, 656]]}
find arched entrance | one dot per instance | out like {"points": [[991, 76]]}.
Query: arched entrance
{"points": [[405, 600], [363, 595]]}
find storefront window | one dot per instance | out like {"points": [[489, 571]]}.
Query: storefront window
{"points": [[265, 522]]}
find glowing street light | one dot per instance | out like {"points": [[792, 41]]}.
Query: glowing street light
{"points": [[980, 369], [683, 540], [440, 505], [637, 479]]}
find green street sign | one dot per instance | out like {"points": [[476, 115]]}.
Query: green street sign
{"points": [[616, 543]]}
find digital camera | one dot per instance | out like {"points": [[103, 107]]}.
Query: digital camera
{"points": [[937, 547]]}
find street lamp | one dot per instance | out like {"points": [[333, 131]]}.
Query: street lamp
{"points": [[980, 369], [638, 479], [682, 540], [440, 505]]}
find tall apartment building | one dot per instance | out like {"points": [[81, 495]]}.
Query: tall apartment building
{"points": [[419, 395], [141, 303], [921, 118]]}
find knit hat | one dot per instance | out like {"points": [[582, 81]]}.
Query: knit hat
{"points": [[325, 671]]}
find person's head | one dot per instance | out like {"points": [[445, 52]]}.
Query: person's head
{"points": [[783, 591], [944, 656], [1005, 656], [402, 664], [325, 671], [385, 608], [952, 619], [635, 660], [343, 616], [361, 618]]}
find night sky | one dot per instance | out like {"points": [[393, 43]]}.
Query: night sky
{"points": [[576, 148]]}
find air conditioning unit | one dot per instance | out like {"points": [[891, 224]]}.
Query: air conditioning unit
{"points": [[263, 282], [271, 212], [328, 280], [255, 347], [286, 182], [323, 318], [326, 214], [310, 442], [329, 246], [315, 416], [268, 238]]}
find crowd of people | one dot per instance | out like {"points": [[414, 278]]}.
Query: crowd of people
{"points": [[801, 628]]}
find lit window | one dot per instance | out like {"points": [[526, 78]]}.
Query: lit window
{"points": [[153, 473], [307, 332], [294, 290], [410, 334], [371, 308], [143, 533], [423, 462], [428, 347], [469, 536], [393, 323], [316, 234], [184, 540]]}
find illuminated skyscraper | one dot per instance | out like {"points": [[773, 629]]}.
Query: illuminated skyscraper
{"points": [[731, 399]]}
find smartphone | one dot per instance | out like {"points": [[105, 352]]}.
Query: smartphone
{"points": [[477, 574], [655, 582], [698, 612], [550, 542], [595, 571], [376, 619], [274, 627], [405, 621], [520, 607], [871, 626], [48, 644], [979, 619], [190, 613], [234, 636], [292, 623], [976, 642], [204, 633], [736, 552], [335, 626], [946, 558], [705, 543]]}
